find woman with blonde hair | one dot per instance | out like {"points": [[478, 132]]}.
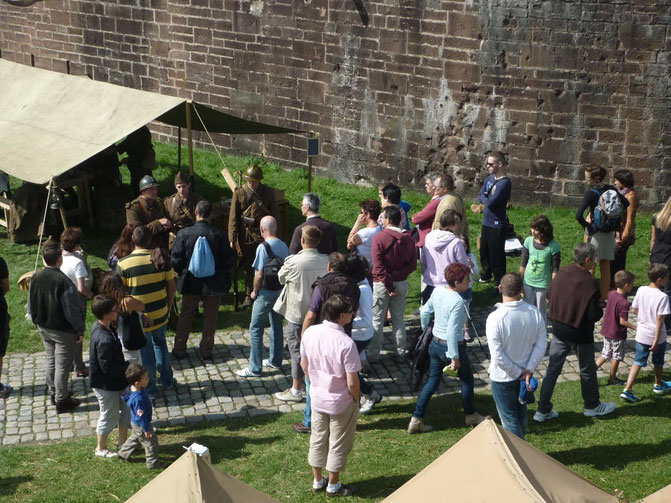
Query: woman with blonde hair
{"points": [[660, 244]]}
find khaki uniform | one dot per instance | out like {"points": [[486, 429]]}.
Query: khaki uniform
{"points": [[138, 213], [247, 210], [452, 201], [182, 213]]}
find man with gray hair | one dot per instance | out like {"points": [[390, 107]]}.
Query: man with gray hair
{"points": [[573, 317], [310, 210], [270, 255]]}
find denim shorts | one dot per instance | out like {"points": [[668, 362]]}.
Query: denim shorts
{"points": [[642, 352]]}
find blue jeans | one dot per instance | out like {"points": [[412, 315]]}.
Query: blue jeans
{"points": [[438, 362], [366, 388], [513, 414], [262, 311], [307, 411], [155, 354]]}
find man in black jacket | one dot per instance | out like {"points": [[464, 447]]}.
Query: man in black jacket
{"points": [[54, 305], [573, 317], [208, 288], [310, 209]]}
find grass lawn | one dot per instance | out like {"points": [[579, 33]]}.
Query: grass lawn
{"points": [[629, 451], [340, 205]]}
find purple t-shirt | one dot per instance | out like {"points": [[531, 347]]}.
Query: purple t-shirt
{"points": [[616, 308], [315, 301]]}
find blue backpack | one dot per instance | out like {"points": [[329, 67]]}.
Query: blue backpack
{"points": [[201, 264], [609, 211]]}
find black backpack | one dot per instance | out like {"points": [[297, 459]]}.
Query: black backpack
{"points": [[270, 279]]}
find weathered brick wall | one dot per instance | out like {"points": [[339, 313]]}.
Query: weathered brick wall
{"points": [[396, 87]]}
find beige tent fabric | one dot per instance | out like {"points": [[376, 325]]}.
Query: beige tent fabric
{"points": [[491, 464], [50, 121], [192, 480], [661, 496]]}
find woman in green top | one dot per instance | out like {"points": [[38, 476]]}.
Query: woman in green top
{"points": [[540, 262]]}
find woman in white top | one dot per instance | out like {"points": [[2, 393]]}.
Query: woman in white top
{"points": [[362, 325], [74, 267], [361, 236]]}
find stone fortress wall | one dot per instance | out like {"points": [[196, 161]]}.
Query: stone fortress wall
{"points": [[394, 88]]}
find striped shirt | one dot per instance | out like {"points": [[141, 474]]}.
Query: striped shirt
{"points": [[146, 284]]}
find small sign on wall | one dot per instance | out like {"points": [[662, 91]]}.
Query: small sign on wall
{"points": [[313, 146]]}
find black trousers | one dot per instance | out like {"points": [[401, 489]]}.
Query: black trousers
{"points": [[493, 253]]}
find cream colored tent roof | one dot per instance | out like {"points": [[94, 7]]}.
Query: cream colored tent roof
{"points": [[50, 122], [192, 480], [661, 496], [491, 464]]}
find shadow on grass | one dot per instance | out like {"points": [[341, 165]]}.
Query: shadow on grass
{"points": [[222, 447], [230, 424], [8, 485], [379, 487]]}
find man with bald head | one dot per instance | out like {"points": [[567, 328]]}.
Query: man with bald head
{"points": [[264, 294]]}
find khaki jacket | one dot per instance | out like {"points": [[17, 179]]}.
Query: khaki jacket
{"points": [[247, 210], [452, 201], [297, 275], [182, 213], [138, 213]]}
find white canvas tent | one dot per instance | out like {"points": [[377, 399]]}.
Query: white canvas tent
{"points": [[192, 480], [50, 122], [661, 496], [492, 464]]}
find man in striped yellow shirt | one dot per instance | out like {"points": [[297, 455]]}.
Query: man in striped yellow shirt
{"points": [[156, 289]]}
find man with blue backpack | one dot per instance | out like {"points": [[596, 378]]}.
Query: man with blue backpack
{"points": [[202, 257], [606, 207], [270, 255]]}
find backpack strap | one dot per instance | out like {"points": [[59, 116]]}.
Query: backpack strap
{"points": [[269, 250]]}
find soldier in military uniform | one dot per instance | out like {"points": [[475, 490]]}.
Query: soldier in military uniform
{"points": [[250, 204], [181, 206], [147, 209]]}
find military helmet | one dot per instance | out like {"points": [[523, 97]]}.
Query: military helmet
{"points": [[147, 182], [254, 173], [181, 177]]}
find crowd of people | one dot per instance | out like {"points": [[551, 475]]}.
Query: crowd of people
{"points": [[330, 307]]}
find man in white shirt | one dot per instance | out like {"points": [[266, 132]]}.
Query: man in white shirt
{"points": [[516, 335], [297, 275]]}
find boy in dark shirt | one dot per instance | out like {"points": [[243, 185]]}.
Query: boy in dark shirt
{"points": [[140, 408], [615, 325]]}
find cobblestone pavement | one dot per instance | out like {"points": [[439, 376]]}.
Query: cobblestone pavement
{"points": [[211, 391]]}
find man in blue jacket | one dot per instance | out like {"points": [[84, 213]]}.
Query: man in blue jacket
{"points": [[208, 288], [494, 195]]}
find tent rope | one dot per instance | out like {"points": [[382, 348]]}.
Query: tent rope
{"points": [[193, 106], [44, 220]]}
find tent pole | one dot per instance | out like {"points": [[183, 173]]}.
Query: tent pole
{"points": [[179, 148], [190, 143]]}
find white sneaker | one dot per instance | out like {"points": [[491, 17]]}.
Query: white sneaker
{"points": [[247, 372], [369, 402], [266, 363], [541, 417], [602, 409], [288, 396], [105, 453]]}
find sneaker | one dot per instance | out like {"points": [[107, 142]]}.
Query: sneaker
{"points": [[417, 426], [617, 381], [369, 402], [602, 409], [467, 336], [343, 490], [629, 396], [267, 363], [5, 390], [300, 428], [475, 419], [82, 373], [67, 405], [105, 453], [541, 417], [665, 387], [247, 372], [484, 280], [288, 396], [316, 489]]}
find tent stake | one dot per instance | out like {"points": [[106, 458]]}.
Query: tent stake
{"points": [[190, 143]]}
